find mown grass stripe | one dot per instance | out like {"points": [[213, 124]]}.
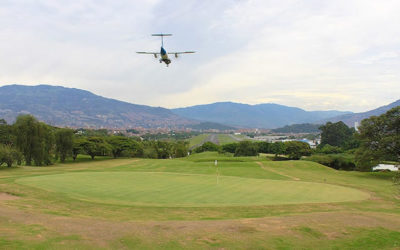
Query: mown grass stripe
{"points": [[173, 189]]}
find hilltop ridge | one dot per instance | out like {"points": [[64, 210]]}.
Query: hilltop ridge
{"points": [[268, 115], [61, 106]]}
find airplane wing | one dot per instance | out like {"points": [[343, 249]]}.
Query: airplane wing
{"points": [[183, 52], [149, 53]]}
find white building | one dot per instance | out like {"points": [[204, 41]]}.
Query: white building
{"points": [[385, 167], [356, 125]]}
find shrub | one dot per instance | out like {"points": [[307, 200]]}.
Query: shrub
{"points": [[277, 148], [9, 155], [328, 149], [296, 149], [246, 148], [180, 149], [150, 152], [263, 147], [207, 146], [230, 147], [396, 179], [338, 161], [277, 158]]}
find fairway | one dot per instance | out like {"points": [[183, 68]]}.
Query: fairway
{"points": [[188, 203], [188, 190]]}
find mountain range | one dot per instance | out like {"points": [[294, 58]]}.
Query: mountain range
{"points": [[71, 107], [267, 115], [60, 106], [350, 119]]}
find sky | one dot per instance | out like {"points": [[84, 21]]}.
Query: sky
{"points": [[313, 54]]}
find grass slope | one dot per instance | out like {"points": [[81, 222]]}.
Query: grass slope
{"points": [[173, 190], [197, 139], [86, 216], [225, 139]]}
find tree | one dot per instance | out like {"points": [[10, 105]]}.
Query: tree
{"points": [[25, 140], [163, 149], [207, 146], [34, 140], [6, 134], [335, 134], [96, 146], [119, 144], [136, 149], [296, 149], [149, 150], [246, 148], [380, 139], [77, 146], [230, 147], [336, 161], [277, 148], [263, 147], [64, 139], [328, 149], [9, 155], [181, 149], [45, 139]]}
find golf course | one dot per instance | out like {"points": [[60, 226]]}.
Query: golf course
{"points": [[204, 201]]}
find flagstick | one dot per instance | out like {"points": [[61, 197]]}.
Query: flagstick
{"points": [[216, 165]]}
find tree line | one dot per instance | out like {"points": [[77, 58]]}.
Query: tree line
{"points": [[293, 149], [377, 140], [33, 142]]}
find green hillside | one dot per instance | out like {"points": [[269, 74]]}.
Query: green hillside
{"points": [[242, 202]]}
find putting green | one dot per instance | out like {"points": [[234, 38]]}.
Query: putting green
{"points": [[176, 190]]}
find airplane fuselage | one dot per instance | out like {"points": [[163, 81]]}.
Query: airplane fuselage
{"points": [[164, 57], [163, 53]]}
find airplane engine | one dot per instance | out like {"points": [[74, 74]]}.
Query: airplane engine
{"points": [[163, 55]]}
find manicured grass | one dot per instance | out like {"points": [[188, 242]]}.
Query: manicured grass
{"points": [[311, 171], [197, 139], [239, 169], [225, 139], [177, 204], [174, 190]]}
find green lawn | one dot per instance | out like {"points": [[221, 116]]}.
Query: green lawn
{"points": [[176, 189], [225, 139], [222, 139], [178, 204], [229, 138]]}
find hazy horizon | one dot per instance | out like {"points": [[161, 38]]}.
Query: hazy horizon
{"points": [[201, 104], [336, 55]]}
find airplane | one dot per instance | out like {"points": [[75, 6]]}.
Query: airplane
{"points": [[163, 53]]}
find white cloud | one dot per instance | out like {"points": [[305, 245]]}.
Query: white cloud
{"points": [[311, 54]]}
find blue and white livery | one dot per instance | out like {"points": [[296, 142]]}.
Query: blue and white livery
{"points": [[163, 53]]}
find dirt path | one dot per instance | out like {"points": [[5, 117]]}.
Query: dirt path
{"points": [[102, 232], [277, 172], [7, 197]]}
